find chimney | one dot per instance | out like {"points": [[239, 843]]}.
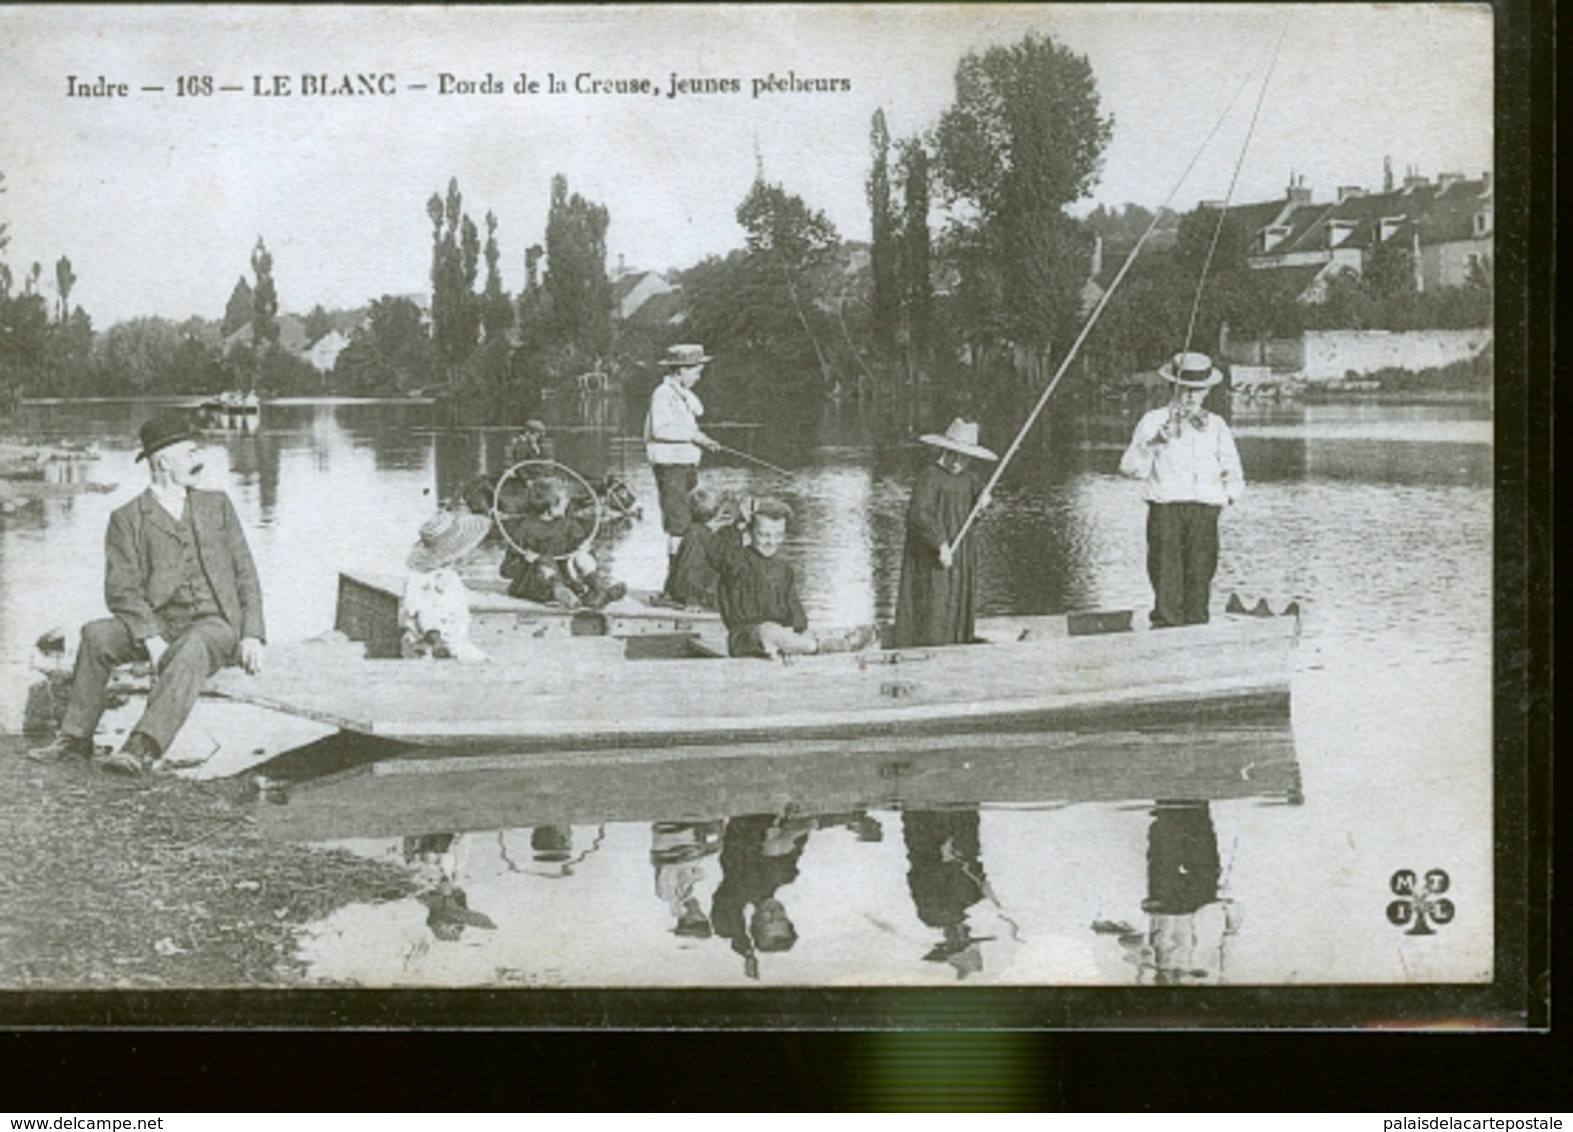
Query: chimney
{"points": [[1350, 192], [1445, 181], [622, 268], [1387, 174], [1485, 183], [1413, 180], [1298, 193]]}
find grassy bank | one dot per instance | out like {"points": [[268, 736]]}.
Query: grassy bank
{"points": [[107, 883]]}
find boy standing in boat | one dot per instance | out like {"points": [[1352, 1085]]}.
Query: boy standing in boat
{"points": [[673, 438], [1187, 458], [934, 602], [757, 593], [692, 580]]}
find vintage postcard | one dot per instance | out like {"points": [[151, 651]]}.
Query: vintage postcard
{"points": [[634, 498]]}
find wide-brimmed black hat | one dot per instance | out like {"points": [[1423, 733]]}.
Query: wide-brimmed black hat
{"points": [[162, 431]]}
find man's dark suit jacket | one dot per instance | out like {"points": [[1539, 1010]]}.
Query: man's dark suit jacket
{"points": [[143, 562]]}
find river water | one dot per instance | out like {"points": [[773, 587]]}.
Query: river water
{"points": [[1096, 865]]}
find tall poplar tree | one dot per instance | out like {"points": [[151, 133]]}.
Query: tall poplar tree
{"points": [[883, 252], [264, 309], [578, 294]]}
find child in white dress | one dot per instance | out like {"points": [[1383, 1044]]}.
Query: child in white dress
{"points": [[434, 615]]}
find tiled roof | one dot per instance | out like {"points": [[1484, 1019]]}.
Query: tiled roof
{"points": [[622, 287], [658, 310]]}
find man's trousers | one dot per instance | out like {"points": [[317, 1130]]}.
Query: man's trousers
{"points": [[193, 655], [1182, 557]]}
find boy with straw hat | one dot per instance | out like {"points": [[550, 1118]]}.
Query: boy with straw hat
{"points": [[934, 602], [1186, 457]]}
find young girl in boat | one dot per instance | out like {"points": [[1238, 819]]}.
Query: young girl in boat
{"points": [[434, 613], [548, 561], [934, 602], [757, 594], [693, 580]]}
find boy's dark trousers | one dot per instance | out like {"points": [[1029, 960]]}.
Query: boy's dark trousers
{"points": [[1182, 557]]}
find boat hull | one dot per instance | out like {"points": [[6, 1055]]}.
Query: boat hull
{"points": [[1034, 676]]}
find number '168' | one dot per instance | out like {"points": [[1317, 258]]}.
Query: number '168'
{"points": [[187, 85]]}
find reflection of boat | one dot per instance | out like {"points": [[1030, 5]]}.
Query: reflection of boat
{"points": [[1249, 757], [231, 405], [1035, 675]]}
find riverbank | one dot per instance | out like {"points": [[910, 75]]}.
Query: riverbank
{"points": [[107, 883]]}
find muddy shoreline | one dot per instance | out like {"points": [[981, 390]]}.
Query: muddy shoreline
{"points": [[160, 883]]}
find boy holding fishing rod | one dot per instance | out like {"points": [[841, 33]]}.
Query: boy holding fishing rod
{"points": [[1187, 458], [673, 438]]}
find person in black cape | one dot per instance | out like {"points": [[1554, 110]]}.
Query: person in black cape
{"points": [[935, 600]]}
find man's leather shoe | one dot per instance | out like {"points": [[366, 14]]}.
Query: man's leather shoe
{"points": [[61, 748], [135, 757]]}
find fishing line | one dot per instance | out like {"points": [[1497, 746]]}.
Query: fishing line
{"points": [[1196, 304], [1097, 311]]}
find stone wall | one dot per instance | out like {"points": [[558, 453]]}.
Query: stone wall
{"points": [[1331, 355]]}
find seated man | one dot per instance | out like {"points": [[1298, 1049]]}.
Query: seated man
{"points": [[183, 589], [757, 593]]}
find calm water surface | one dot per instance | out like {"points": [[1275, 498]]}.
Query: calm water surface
{"points": [[1054, 866]]}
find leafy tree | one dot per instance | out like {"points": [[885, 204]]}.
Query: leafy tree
{"points": [[917, 289], [317, 323], [455, 258], [883, 251], [264, 301], [237, 312], [1023, 139], [496, 308], [791, 237], [65, 279], [393, 352], [577, 292], [1389, 269]]}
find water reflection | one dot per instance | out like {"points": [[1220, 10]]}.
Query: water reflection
{"points": [[774, 869], [1345, 508], [945, 876], [1183, 874]]}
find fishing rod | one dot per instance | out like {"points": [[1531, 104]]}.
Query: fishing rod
{"points": [[719, 447], [1097, 311]]}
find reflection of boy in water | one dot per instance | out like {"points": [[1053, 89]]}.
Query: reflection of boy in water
{"points": [[448, 910], [759, 855], [1182, 878], [945, 876], [680, 852]]}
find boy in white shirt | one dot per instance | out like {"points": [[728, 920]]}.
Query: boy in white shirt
{"points": [[1187, 458], [673, 438]]}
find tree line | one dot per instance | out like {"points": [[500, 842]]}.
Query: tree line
{"points": [[975, 273]]}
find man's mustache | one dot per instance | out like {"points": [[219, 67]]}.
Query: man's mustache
{"points": [[195, 469]]}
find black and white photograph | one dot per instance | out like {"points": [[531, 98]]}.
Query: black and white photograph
{"points": [[731, 498]]}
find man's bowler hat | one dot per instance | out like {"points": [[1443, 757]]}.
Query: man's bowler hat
{"points": [[162, 431]]}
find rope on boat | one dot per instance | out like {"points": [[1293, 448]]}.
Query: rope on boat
{"points": [[1097, 311]]}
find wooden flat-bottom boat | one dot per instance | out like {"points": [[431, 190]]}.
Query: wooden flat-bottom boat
{"points": [[1029, 675]]}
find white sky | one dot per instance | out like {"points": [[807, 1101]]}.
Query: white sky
{"points": [[157, 200]]}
